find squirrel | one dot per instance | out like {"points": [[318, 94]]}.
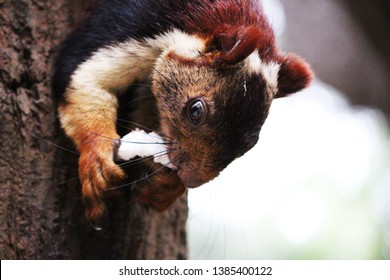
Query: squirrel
{"points": [[213, 69]]}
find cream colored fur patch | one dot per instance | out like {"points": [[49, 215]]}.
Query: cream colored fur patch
{"points": [[269, 71], [115, 67]]}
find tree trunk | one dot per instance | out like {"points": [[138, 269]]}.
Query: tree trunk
{"points": [[41, 213]]}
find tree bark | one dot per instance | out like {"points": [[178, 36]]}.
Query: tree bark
{"points": [[41, 213]]}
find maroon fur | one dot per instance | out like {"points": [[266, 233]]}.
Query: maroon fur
{"points": [[236, 27], [294, 75]]}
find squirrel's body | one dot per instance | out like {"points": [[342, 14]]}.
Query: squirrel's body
{"points": [[212, 65]]}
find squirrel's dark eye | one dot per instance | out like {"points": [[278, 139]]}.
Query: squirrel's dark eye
{"points": [[196, 111]]}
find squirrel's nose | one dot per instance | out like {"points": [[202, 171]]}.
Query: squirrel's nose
{"points": [[195, 177], [190, 178]]}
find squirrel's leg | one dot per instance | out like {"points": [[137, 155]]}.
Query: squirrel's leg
{"points": [[161, 190], [89, 114], [88, 117]]}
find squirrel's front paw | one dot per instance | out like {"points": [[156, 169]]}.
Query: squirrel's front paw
{"points": [[160, 190], [98, 173]]}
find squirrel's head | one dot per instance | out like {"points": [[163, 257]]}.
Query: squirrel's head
{"points": [[214, 93]]}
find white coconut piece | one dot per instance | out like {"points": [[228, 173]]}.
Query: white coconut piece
{"points": [[142, 144]]}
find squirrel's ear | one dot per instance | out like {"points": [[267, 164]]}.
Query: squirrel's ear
{"points": [[234, 44], [294, 75]]}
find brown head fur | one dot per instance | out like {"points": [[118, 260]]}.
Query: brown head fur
{"points": [[233, 96]]}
